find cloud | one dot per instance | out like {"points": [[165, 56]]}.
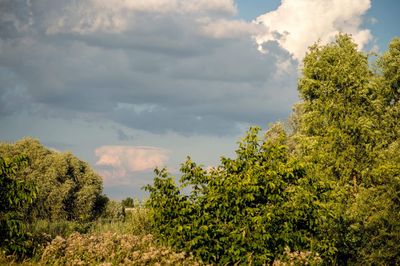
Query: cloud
{"points": [[119, 16], [295, 25], [184, 66], [118, 163], [193, 72], [224, 28], [170, 6], [122, 136]]}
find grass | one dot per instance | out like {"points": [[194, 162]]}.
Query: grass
{"points": [[136, 222]]}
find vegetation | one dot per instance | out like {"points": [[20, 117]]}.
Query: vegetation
{"points": [[129, 202], [114, 249], [323, 189], [68, 188], [14, 197], [44, 194], [327, 186]]}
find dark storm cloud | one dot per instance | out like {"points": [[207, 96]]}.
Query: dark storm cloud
{"points": [[155, 71]]}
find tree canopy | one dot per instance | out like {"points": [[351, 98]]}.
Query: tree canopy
{"points": [[68, 189]]}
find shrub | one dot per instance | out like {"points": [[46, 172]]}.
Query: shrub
{"points": [[15, 195], [111, 249], [113, 212], [247, 210]]}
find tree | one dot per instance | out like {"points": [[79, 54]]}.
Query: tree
{"points": [[344, 129], [246, 210], [128, 202], [331, 186], [15, 195], [340, 118], [68, 189]]}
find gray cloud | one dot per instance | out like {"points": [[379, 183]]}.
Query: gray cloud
{"points": [[122, 136], [145, 70]]}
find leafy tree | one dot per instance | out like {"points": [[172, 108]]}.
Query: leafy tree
{"points": [[246, 210], [68, 189], [14, 196], [128, 202], [330, 187], [375, 215], [341, 111], [343, 131]]}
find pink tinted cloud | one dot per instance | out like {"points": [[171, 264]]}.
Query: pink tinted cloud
{"points": [[122, 161]]}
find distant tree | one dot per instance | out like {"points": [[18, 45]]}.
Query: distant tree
{"points": [[128, 202], [68, 189], [113, 211]]}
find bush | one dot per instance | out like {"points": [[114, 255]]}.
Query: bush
{"points": [[15, 195], [111, 249], [113, 212], [247, 210]]}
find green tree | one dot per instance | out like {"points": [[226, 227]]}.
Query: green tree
{"points": [[343, 130], [15, 195], [242, 211], [332, 186], [128, 202], [68, 188], [375, 215], [340, 119]]}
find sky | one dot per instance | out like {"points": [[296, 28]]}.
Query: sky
{"points": [[130, 85]]}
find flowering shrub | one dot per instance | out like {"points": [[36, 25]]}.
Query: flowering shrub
{"points": [[298, 258], [111, 249]]}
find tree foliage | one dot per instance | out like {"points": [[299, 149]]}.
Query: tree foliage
{"points": [[15, 195], [330, 187], [128, 202], [68, 189], [345, 129], [245, 210]]}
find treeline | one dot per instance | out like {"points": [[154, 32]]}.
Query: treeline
{"points": [[323, 189]]}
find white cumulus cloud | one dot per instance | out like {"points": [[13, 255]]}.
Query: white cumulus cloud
{"points": [[296, 24]]}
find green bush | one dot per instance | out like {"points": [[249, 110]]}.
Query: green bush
{"points": [[15, 195], [113, 212], [241, 211]]}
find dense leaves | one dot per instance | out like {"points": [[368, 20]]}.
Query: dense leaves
{"points": [[245, 210], [68, 189], [15, 195], [330, 188], [346, 127]]}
